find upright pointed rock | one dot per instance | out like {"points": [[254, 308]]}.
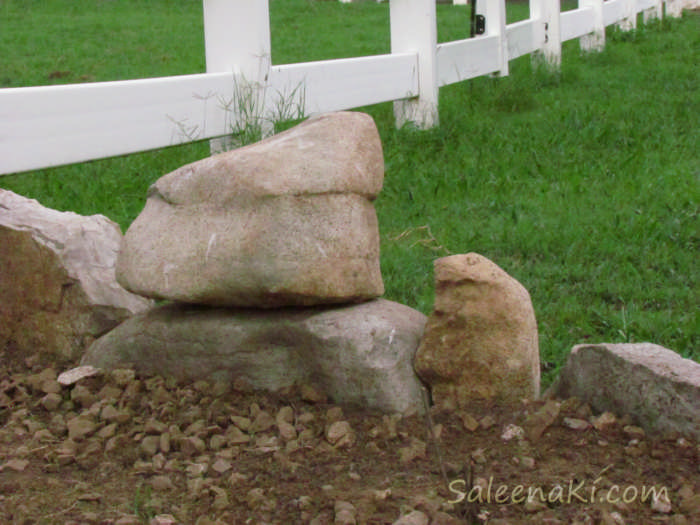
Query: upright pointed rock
{"points": [[481, 340]]}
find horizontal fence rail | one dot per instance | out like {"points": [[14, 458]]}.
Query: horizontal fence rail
{"points": [[49, 126]]}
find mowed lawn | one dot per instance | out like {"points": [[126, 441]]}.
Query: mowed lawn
{"points": [[584, 185]]}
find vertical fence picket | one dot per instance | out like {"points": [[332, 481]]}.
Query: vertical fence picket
{"points": [[237, 41], [630, 21], [547, 14], [594, 41], [674, 8], [495, 13], [414, 29], [656, 12]]}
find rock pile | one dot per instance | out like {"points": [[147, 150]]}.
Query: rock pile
{"points": [[271, 253]]}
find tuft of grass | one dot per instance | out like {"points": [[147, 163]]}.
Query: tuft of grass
{"points": [[583, 185]]}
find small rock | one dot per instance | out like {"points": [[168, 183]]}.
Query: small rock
{"points": [[479, 456], [18, 465], [51, 401], [487, 422], [262, 422], [415, 517], [527, 463], [221, 465], [255, 498], [538, 422], [286, 430], [534, 505], [149, 445], [112, 415], [576, 424], [220, 498], [344, 513], [163, 519], [162, 483], [217, 442], [192, 445], [164, 442], [417, 449], [235, 436], [128, 520], [74, 375], [512, 431], [109, 393], [196, 469], [123, 376], [153, 426], [660, 502], [80, 428], [241, 422], [469, 422], [313, 395], [634, 432], [82, 396], [237, 478], [334, 414], [604, 421], [285, 414], [340, 434]]}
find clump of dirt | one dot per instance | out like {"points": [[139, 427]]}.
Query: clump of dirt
{"points": [[119, 449]]}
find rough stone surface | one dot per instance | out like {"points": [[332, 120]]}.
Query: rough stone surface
{"points": [[481, 340], [57, 278], [286, 221], [359, 354], [654, 385]]}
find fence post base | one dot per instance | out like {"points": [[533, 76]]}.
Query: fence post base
{"points": [[546, 13], [414, 29], [594, 41], [237, 40]]}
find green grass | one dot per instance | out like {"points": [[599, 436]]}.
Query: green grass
{"points": [[582, 185]]}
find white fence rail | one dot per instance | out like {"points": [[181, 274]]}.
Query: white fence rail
{"points": [[48, 126]]}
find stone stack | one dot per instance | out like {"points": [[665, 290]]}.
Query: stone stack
{"points": [[271, 255]]}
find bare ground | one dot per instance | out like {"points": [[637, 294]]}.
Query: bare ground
{"points": [[122, 449]]}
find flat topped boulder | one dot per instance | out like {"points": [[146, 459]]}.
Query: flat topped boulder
{"points": [[359, 354], [286, 221], [657, 387]]}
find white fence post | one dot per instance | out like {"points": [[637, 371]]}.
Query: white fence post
{"points": [[546, 14], [656, 12], [630, 21], [594, 41], [495, 13], [414, 30], [237, 41], [674, 8]]}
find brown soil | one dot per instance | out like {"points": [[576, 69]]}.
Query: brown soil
{"points": [[176, 451]]}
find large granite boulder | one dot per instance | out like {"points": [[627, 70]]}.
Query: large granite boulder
{"points": [[286, 221], [481, 340], [58, 290], [359, 354], [657, 387]]}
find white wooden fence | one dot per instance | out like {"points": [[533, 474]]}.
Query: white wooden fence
{"points": [[53, 125]]}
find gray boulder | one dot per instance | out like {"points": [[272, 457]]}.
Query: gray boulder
{"points": [[286, 221], [359, 354], [58, 290], [652, 384]]}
